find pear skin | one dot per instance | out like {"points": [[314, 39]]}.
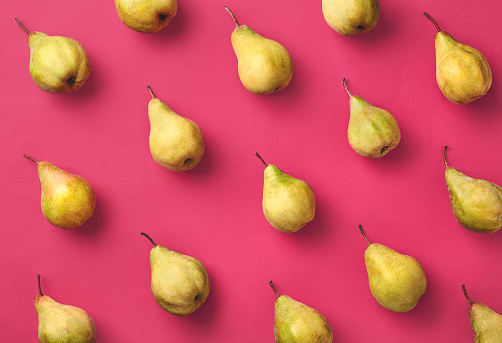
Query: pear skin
{"points": [[486, 323], [462, 72], [147, 16], [396, 281], [180, 283], [476, 203], [351, 17], [295, 322], [57, 64], [288, 203], [372, 131], [67, 199], [176, 142], [59, 323], [264, 65]]}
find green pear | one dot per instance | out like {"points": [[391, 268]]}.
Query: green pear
{"points": [[486, 323], [67, 199], [57, 64], [264, 65], [396, 281], [147, 16], [180, 283], [350, 17], [295, 322], [288, 203], [462, 72], [372, 131], [476, 203], [59, 323], [175, 142]]}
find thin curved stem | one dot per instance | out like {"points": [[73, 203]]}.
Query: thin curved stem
{"points": [[258, 155], [466, 295], [22, 26], [150, 90], [364, 234], [39, 287], [151, 240], [31, 158], [433, 21], [444, 156], [273, 287], [233, 16], [345, 86]]}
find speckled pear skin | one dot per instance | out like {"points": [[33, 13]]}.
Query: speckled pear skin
{"points": [[351, 17], [462, 72], [476, 203], [147, 16], [264, 65], [295, 322], [485, 322]]}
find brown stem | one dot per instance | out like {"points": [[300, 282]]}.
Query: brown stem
{"points": [[151, 240], [22, 26], [364, 235], [31, 158], [39, 287], [444, 156], [273, 287], [433, 21], [151, 92], [467, 296], [258, 155], [345, 86], [233, 16]]}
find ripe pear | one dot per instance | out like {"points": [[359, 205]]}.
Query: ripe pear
{"points": [[288, 203], [57, 64], [146, 16], [476, 203], [67, 199], [486, 323], [462, 72], [264, 65], [180, 283], [59, 323], [372, 131], [175, 142], [295, 322], [350, 17], [396, 281]]}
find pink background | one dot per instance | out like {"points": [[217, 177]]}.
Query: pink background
{"points": [[214, 211]]}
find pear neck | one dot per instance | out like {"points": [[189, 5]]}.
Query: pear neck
{"points": [[364, 234], [30, 158], [433, 21], [273, 288], [237, 25], [151, 240], [28, 32], [467, 296]]}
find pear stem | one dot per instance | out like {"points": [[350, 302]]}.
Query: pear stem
{"points": [[258, 155], [22, 26], [364, 235], [444, 156], [233, 16], [150, 90], [273, 287], [151, 240], [39, 287], [467, 296], [31, 158], [345, 86], [433, 21]]}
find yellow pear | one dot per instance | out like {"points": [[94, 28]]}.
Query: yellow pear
{"points": [[350, 17], [57, 64], [288, 203], [462, 72], [476, 203], [59, 323], [175, 142], [180, 283], [147, 16], [396, 281], [264, 65], [67, 199], [295, 322]]}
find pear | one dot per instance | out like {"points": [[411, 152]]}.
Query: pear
{"points": [[59, 323], [264, 65], [295, 322], [372, 131], [147, 16], [486, 323], [57, 64], [180, 283], [288, 203], [67, 199], [476, 204], [175, 142], [462, 72], [350, 17], [396, 281]]}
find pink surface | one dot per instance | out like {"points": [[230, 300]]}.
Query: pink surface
{"points": [[214, 211]]}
